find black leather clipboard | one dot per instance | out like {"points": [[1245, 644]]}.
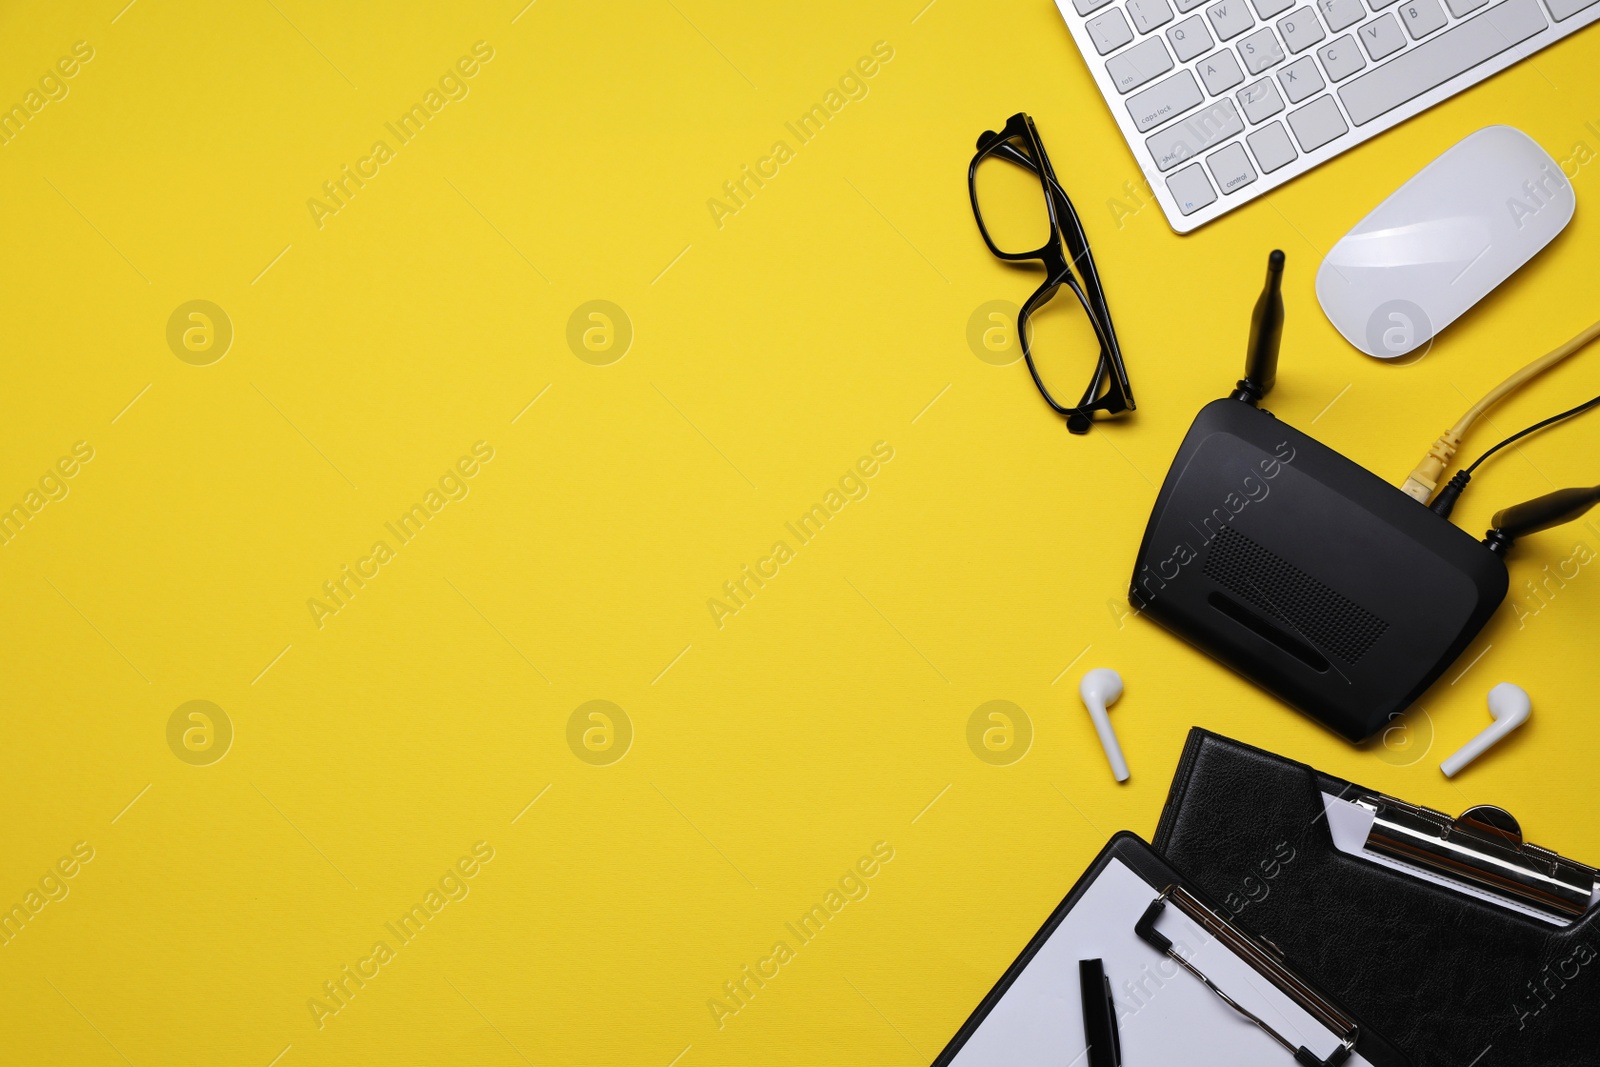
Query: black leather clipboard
{"points": [[1454, 981], [1140, 858]]}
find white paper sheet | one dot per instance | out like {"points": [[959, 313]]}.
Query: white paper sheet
{"points": [[1164, 1014]]}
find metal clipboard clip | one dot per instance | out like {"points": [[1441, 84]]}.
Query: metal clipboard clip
{"points": [[1483, 848], [1266, 961]]}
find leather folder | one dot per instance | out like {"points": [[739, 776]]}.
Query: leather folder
{"points": [[1461, 942]]}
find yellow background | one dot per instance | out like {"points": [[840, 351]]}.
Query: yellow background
{"points": [[767, 356]]}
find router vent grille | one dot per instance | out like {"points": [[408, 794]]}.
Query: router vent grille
{"points": [[1328, 620]]}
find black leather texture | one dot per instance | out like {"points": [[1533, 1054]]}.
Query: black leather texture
{"points": [[1453, 981]]}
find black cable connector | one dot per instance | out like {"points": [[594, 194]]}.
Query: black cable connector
{"points": [[1445, 502]]}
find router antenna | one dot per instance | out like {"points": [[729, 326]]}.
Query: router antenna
{"points": [[1540, 513], [1266, 330]]}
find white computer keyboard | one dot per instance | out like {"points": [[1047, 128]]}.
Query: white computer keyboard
{"points": [[1222, 101]]}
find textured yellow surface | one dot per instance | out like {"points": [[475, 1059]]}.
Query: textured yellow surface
{"points": [[413, 341]]}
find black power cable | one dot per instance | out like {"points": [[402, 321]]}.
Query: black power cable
{"points": [[1445, 503]]}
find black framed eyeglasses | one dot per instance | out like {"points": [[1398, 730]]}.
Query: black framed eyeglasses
{"points": [[1063, 251]]}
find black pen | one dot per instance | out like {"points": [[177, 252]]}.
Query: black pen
{"points": [[1099, 1015]]}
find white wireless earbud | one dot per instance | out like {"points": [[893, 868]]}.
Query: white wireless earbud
{"points": [[1100, 689], [1510, 707]]}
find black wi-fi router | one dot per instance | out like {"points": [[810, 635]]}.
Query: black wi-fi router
{"points": [[1301, 570]]}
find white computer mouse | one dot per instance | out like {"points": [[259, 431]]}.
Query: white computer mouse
{"points": [[1443, 240]]}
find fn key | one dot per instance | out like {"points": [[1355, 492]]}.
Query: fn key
{"points": [[1191, 189]]}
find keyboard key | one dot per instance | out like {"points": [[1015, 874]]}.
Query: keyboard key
{"points": [[1301, 29], [1421, 17], [1189, 38], [1341, 58], [1456, 50], [1561, 10], [1187, 5], [1164, 100], [1267, 9], [1108, 31], [1085, 7], [1191, 189], [1220, 72], [1148, 14], [1341, 14], [1381, 37], [1272, 147], [1317, 123], [1260, 100], [1229, 18], [1462, 8], [1260, 50], [1189, 137], [1146, 60], [1231, 167], [1300, 79], [1379, 5]]}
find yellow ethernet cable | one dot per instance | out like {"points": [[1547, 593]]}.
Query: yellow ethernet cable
{"points": [[1425, 479]]}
